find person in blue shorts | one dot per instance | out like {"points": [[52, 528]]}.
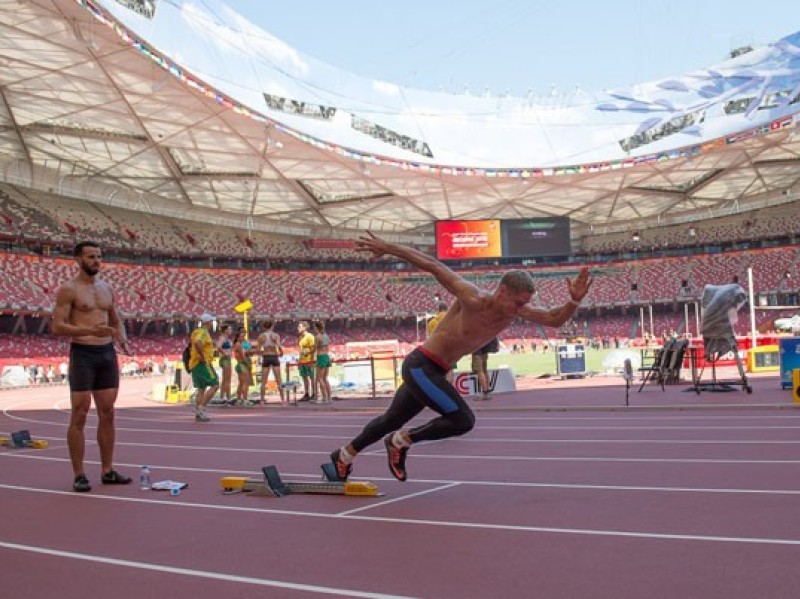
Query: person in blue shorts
{"points": [[475, 317]]}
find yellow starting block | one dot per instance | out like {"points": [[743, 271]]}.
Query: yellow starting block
{"points": [[272, 486], [22, 439]]}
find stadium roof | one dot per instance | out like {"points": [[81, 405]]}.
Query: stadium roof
{"points": [[186, 109]]}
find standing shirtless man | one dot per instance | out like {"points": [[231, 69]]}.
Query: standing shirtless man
{"points": [[475, 317], [85, 310]]}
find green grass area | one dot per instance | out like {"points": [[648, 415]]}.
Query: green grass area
{"points": [[538, 364]]}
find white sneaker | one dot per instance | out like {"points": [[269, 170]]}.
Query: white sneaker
{"points": [[201, 417]]}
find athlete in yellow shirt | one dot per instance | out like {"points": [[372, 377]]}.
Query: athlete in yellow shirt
{"points": [[307, 360], [204, 377]]}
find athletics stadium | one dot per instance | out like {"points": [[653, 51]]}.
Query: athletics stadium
{"points": [[218, 167]]}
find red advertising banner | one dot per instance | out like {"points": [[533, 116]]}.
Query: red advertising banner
{"points": [[465, 239]]}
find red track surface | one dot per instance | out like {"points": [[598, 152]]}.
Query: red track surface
{"points": [[579, 503]]}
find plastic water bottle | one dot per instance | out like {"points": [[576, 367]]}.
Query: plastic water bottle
{"points": [[144, 478]]}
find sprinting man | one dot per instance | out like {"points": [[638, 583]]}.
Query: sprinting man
{"points": [[86, 311], [475, 317]]}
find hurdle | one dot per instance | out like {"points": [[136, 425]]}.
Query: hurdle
{"points": [[272, 485]]}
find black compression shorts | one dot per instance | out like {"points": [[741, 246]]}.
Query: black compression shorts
{"points": [[93, 367], [270, 360]]}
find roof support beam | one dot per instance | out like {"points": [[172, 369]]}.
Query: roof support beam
{"points": [[11, 116]]}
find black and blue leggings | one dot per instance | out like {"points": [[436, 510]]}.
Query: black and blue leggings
{"points": [[424, 385]]}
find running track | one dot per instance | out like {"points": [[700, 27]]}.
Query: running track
{"points": [[625, 503]]}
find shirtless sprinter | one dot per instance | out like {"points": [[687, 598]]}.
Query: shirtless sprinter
{"points": [[475, 317], [86, 312]]}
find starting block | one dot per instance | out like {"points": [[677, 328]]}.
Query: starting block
{"points": [[273, 486], [22, 439]]}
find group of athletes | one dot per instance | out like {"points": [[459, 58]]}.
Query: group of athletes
{"points": [[86, 311], [314, 364]]}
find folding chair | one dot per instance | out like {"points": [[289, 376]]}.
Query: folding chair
{"points": [[673, 373], [657, 370]]}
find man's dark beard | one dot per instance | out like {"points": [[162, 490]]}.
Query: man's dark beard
{"points": [[91, 271]]}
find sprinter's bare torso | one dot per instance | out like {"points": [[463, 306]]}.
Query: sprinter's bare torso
{"points": [[85, 309], [90, 305]]}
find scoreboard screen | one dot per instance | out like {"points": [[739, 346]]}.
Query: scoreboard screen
{"points": [[518, 238]]}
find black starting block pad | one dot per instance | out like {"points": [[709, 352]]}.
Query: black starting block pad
{"points": [[22, 439], [329, 473], [272, 485]]}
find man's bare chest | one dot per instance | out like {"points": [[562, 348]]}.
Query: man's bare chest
{"points": [[92, 299]]}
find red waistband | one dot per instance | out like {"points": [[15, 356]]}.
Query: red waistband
{"points": [[435, 359]]}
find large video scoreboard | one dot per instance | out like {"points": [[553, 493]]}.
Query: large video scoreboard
{"points": [[517, 238]]}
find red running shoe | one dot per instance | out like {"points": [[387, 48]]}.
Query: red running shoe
{"points": [[397, 458]]}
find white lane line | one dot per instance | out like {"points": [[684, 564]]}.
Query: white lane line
{"points": [[630, 416], [185, 417], [645, 441], [396, 499], [716, 427], [216, 419], [447, 482], [469, 440], [512, 458], [603, 459], [430, 523], [220, 576]]}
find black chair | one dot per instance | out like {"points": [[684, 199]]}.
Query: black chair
{"points": [[673, 371], [658, 369]]}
